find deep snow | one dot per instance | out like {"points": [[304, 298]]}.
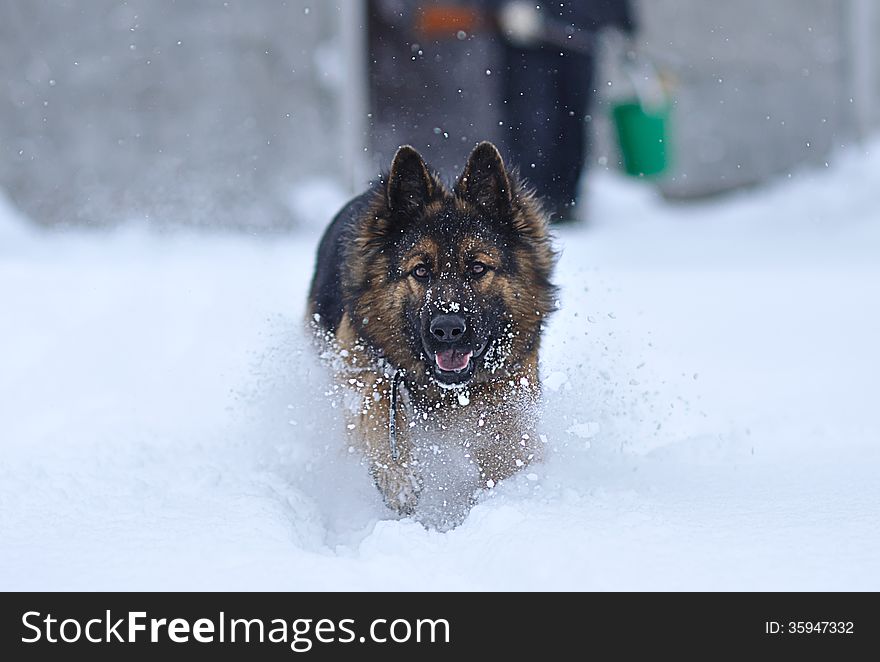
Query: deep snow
{"points": [[711, 409]]}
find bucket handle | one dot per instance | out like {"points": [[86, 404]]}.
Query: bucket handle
{"points": [[646, 81]]}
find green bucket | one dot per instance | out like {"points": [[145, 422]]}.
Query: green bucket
{"points": [[643, 136]]}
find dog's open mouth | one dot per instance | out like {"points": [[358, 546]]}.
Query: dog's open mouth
{"points": [[455, 366], [453, 360]]}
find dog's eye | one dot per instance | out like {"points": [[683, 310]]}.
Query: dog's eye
{"points": [[421, 272], [478, 269]]}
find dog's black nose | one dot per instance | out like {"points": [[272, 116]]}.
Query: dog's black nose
{"points": [[448, 328]]}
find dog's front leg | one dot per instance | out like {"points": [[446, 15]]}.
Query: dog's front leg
{"points": [[395, 477], [512, 451], [512, 440]]}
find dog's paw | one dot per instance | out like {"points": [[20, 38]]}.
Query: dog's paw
{"points": [[399, 487]]}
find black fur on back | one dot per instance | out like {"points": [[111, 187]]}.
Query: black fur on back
{"points": [[325, 294]]}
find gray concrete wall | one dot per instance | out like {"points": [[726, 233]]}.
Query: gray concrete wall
{"points": [[206, 112], [875, 55], [759, 88], [199, 112]]}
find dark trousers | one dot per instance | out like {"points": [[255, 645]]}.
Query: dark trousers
{"points": [[547, 97]]}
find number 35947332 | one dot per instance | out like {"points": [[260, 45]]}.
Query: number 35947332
{"points": [[809, 627]]}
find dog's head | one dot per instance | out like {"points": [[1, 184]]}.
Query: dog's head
{"points": [[455, 285]]}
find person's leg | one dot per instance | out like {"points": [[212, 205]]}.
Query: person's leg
{"points": [[530, 99], [575, 91], [546, 97]]}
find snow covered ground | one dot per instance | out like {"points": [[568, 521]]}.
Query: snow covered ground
{"points": [[711, 408]]}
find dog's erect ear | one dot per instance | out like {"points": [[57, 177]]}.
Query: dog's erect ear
{"points": [[410, 186], [485, 182]]}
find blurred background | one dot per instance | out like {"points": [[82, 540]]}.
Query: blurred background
{"points": [[223, 113]]}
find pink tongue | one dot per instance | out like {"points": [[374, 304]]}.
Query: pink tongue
{"points": [[452, 360]]}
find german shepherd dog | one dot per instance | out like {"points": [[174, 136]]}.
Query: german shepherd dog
{"points": [[433, 302]]}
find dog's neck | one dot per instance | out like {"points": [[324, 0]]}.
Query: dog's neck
{"points": [[427, 394]]}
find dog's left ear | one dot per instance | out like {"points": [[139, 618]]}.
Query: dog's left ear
{"points": [[485, 182], [410, 186]]}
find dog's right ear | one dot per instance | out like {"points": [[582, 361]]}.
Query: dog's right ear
{"points": [[485, 182], [410, 185]]}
